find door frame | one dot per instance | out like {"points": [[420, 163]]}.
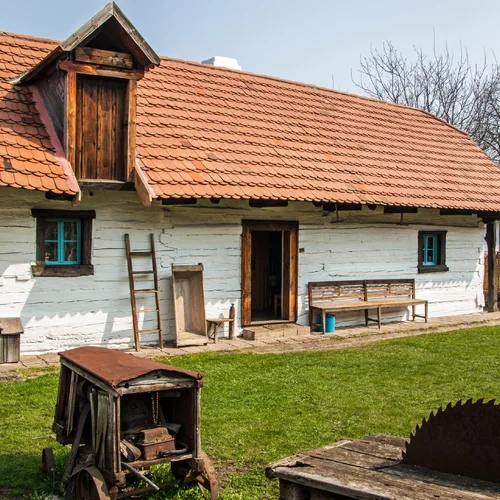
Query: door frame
{"points": [[290, 265]]}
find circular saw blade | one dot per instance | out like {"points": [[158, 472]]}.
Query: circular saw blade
{"points": [[463, 439]]}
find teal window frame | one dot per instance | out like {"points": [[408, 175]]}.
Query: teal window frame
{"points": [[432, 252], [430, 249], [61, 241], [61, 268]]}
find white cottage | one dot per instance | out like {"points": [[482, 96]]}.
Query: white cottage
{"points": [[270, 184]]}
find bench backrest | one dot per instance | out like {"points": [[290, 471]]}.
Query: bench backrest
{"points": [[334, 291]]}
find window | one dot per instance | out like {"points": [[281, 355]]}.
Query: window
{"points": [[432, 251], [64, 242]]}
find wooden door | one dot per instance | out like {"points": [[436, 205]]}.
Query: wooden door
{"points": [[101, 128], [289, 271]]}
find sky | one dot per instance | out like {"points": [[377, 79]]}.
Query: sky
{"points": [[311, 41]]}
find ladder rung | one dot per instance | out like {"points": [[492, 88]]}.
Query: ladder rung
{"points": [[143, 272], [145, 291], [149, 330], [141, 254], [147, 311]]}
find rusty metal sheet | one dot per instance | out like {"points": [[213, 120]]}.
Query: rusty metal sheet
{"points": [[461, 439], [114, 367]]}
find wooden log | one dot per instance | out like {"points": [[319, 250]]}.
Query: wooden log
{"points": [[491, 241], [131, 126], [70, 125], [87, 69], [104, 57], [232, 315]]}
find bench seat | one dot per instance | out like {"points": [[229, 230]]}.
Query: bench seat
{"points": [[337, 296]]}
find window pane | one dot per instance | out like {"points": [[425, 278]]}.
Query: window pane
{"points": [[51, 252], [71, 252], [51, 230], [70, 230]]}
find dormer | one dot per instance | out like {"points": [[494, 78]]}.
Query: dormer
{"points": [[88, 85]]}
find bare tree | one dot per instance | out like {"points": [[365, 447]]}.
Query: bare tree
{"points": [[449, 86]]}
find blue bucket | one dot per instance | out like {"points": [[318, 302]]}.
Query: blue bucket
{"points": [[330, 323]]}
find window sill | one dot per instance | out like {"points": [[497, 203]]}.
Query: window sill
{"points": [[63, 271], [433, 269]]}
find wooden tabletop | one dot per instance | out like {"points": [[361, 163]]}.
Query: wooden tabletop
{"points": [[371, 468]]}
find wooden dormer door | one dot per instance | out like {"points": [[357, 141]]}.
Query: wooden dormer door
{"points": [[269, 272], [101, 128]]}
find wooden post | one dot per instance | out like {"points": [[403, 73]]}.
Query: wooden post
{"points": [[70, 125], [232, 314], [491, 241]]}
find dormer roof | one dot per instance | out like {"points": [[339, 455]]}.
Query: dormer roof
{"points": [[110, 16]]}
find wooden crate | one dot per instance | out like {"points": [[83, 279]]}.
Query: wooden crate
{"points": [[189, 305], [10, 339]]}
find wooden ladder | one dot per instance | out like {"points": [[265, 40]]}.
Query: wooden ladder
{"points": [[141, 291]]}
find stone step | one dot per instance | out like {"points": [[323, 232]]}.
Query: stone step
{"points": [[279, 331]]}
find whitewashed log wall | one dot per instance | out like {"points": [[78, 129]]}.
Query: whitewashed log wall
{"points": [[60, 313]]}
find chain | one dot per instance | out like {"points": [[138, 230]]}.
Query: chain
{"points": [[155, 407]]}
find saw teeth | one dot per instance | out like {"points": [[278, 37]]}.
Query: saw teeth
{"points": [[448, 406], [469, 401]]}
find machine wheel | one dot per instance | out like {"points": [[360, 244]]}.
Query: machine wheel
{"points": [[90, 485], [48, 462], [208, 478]]}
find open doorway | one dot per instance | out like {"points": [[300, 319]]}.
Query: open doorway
{"points": [[269, 272], [267, 275]]}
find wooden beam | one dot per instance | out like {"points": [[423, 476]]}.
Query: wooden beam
{"points": [[87, 69], [70, 125], [491, 241], [105, 185], [104, 57], [131, 127], [144, 190]]}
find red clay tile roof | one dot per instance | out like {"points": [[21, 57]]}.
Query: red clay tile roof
{"points": [[210, 132], [27, 158], [205, 131]]}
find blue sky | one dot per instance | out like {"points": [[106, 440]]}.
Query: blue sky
{"points": [[306, 40]]}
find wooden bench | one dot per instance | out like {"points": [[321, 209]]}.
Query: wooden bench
{"points": [[363, 295]]}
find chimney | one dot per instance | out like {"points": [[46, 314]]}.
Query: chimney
{"points": [[223, 62]]}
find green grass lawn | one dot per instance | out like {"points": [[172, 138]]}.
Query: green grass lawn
{"points": [[257, 408]]}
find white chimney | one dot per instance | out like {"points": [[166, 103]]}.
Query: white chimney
{"points": [[223, 62]]}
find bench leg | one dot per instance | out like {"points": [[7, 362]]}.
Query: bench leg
{"points": [[323, 317], [366, 317], [413, 311], [426, 311], [379, 316]]}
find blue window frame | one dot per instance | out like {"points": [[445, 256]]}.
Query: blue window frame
{"points": [[432, 252], [63, 242], [430, 249]]}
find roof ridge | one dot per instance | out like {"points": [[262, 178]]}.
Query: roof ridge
{"points": [[317, 87]]}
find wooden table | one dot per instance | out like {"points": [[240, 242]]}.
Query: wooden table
{"points": [[369, 468]]}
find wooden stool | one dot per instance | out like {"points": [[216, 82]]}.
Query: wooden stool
{"points": [[213, 326]]}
